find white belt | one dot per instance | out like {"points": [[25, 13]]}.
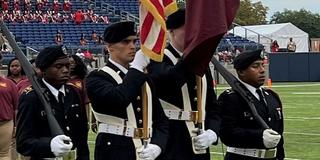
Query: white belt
{"points": [[121, 130], [258, 153], [181, 115]]}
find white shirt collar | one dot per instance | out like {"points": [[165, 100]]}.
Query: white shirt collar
{"points": [[53, 90], [123, 69], [251, 89], [179, 52]]}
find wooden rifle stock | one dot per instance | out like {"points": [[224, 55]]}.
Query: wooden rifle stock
{"points": [[235, 85], [31, 74], [199, 104], [145, 130]]}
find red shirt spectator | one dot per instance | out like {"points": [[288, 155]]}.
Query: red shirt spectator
{"points": [[16, 5], [67, 6], [56, 6], [5, 5], [8, 99], [78, 17]]}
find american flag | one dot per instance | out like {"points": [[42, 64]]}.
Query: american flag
{"points": [[153, 29]]}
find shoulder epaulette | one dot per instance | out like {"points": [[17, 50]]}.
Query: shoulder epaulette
{"points": [[27, 89]]}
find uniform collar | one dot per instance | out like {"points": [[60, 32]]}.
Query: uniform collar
{"points": [[53, 90], [122, 69], [179, 52], [251, 89]]}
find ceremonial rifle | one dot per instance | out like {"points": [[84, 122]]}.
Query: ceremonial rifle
{"points": [[235, 85], [31, 74]]}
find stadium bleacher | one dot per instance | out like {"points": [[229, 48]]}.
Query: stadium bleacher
{"points": [[39, 35]]}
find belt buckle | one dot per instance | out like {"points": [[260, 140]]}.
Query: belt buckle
{"points": [[194, 116], [138, 133], [270, 153], [72, 155]]}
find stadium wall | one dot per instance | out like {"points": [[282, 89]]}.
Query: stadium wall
{"points": [[294, 67]]}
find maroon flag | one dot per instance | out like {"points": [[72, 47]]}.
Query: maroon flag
{"points": [[206, 23]]}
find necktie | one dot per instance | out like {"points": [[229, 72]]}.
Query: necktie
{"points": [[261, 97], [61, 97]]}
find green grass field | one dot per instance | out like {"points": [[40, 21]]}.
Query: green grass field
{"points": [[301, 103]]}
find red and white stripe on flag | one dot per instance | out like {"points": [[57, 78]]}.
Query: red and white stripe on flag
{"points": [[153, 31]]}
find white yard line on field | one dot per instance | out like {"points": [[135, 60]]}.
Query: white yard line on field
{"points": [[303, 93], [304, 118], [284, 86], [305, 134]]}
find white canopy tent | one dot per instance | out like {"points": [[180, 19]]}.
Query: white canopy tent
{"points": [[280, 32]]}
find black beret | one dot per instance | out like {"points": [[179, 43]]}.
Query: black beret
{"points": [[49, 55], [118, 31], [176, 19], [245, 59]]}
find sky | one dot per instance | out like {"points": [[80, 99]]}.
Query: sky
{"points": [[280, 5]]}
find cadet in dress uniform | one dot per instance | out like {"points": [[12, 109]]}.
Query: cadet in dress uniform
{"points": [[33, 133], [115, 94], [243, 135], [176, 87]]}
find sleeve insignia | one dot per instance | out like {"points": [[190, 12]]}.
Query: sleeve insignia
{"points": [[3, 85], [27, 89]]}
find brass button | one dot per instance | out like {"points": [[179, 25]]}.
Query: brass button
{"points": [[138, 98], [138, 109], [195, 99], [140, 121], [68, 128], [108, 143], [77, 115]]}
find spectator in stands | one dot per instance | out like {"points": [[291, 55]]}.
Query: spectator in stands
{"points": [[16, 5], [94, 36], [58, 38], [67, 6], [291, 46], [100, 40], [105, 19], [40, 5], [83, 40], [56, 6], [15, 71], [8, 103], [274, 46], [27, 5], [78, 17], [5, 5], [88, 58]]}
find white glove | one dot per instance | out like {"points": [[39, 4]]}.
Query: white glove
{"points": [[204, 140], [271, 138], [58, 145], [140, 61], [151, 152]]}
